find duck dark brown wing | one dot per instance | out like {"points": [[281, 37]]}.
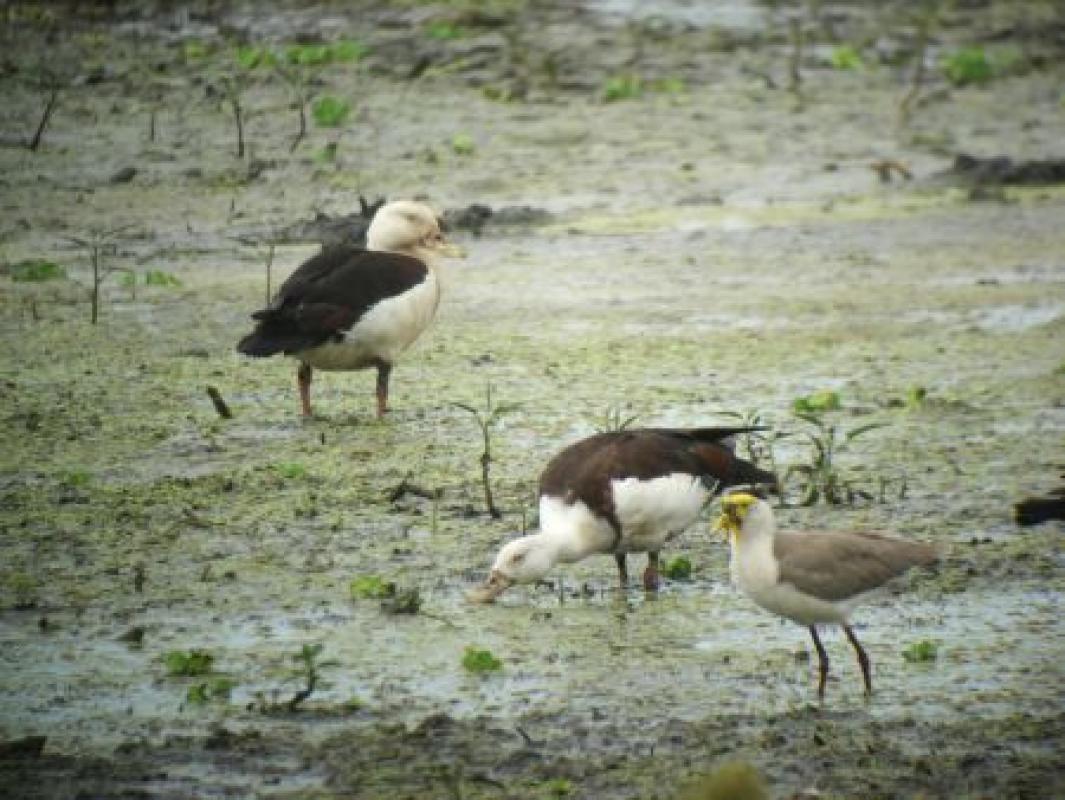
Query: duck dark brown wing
{"points": [[837, 565], [328, 294], [585, 469]]}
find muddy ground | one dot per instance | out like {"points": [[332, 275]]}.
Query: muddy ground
{"points": [[715, 243]]}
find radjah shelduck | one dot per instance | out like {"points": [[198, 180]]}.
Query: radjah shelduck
{"points": [[350, 308], [621, 492], [812, 578]]}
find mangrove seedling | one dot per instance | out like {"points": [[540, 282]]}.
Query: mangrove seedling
{"points": [[486, 420], [480, 662], [821, 478], [308, 670], [188, 663]]}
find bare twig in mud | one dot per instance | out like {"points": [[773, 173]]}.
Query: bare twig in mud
{"points": [[53, 98], [485, 421], [795, 59], [529, 741], [924, 30], [298, 82], [219, 404], [100, 243], [405, 487], [232, 92], [269, 269]]}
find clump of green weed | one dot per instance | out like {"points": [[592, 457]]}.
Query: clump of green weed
{"points": [[403, 601], [330, 111], [678, 569], [614, 419], [443, 30], [36, 270], [480, 662], [846, 57], [188, 663], [818, 402], [921, 652], [462, 144], [291, 470], [215, 690], [372, 587], [967, 66], [622, 87]]}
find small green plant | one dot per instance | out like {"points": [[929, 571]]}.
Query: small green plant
{"points": [[622, 87], [557, 788], [967, 66], [348, 50], [36, 270], [404, 601], [252, 56], [916, 397], [188, 663], [821, 479], [372, 587], [291, 470], [308, 55], [24, 587], [678, 569], [77, 478], [309, 669], [846, 57], [486, 420], [818, 402], [330, 112], [462, 144], [216, 690], [443, 30], [480, 662], [156, 277], [195, 50], [921, 652]]}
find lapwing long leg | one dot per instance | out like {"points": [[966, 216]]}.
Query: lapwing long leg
{"points": [[863, 659], [822, 658]]}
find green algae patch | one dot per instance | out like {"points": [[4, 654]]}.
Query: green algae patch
{"points": [[921, 652], [372, 587], [188, 663], [480, 662]]}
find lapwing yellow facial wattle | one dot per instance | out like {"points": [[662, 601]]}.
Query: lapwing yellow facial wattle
{"points": [[812, 578], [351, 308], [621, 492]]}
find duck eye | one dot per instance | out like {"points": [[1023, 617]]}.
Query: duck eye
{"points": [[517, 558]]}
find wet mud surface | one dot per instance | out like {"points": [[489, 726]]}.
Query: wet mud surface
{"points": [[709, 246]]}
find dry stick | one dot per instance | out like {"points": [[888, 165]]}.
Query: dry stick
{"points": [[303, 126], [918, 73], [269, 266], [234, 100], [794, 63], [35, 142], [219, 404], [151, 125]]}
